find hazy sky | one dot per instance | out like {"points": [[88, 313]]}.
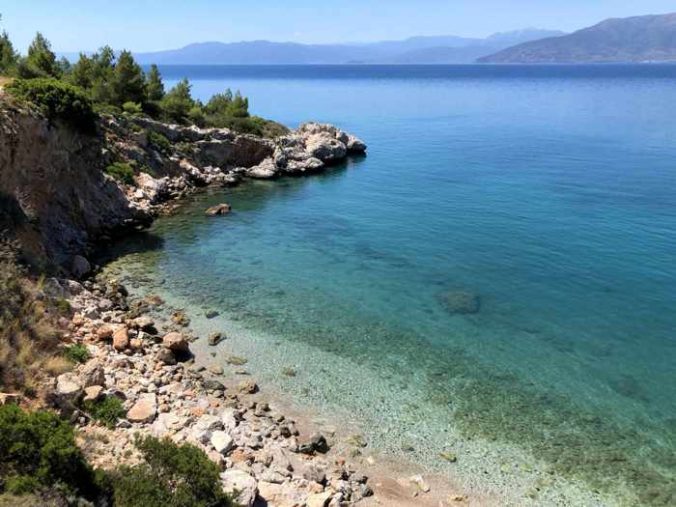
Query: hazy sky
{"points": [[143, 25]]}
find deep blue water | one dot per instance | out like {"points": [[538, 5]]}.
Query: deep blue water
{"points": [[549, 192]]}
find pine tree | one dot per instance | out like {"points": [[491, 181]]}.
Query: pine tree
{"points": [[8, 57], [128, 81], [154, 85], [40, 61]]}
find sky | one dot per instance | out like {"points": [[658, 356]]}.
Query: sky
{"points": [[148, 25]]}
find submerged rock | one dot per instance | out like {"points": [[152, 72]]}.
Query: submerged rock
{"points": [[461, 302], [219, 209]]}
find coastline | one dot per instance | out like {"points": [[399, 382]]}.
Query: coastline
{"points": [[484, 482]]}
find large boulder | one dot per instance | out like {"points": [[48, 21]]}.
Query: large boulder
{"points": [[68, 391], [121, 339], [266, 170], [144, 410], [176, 342], [243, 485]]}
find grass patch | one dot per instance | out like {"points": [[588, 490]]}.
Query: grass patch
{"points": [[122, 172], [107, 411], [77, 353]]}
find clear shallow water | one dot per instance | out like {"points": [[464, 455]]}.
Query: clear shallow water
{"points": [[549, 192]]}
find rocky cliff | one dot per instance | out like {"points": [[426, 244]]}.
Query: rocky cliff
{"points": [[57, 197]]}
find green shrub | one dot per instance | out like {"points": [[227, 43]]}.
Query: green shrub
{"points": [[170, 476], [37, 450], [107, 411], [122, 172], [159, 142], [57, 101], [77, 353], [132, 108]]}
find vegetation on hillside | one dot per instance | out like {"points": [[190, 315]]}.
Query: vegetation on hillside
{"points": [[39, 456], [110, 82], [29, 338]]}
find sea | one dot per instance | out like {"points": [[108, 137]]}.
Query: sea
{"points": [[489, 293]]}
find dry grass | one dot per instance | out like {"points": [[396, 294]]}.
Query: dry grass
{"points": [[28, 336]]}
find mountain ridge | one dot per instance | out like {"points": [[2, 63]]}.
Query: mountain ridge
{"points": [[635, 39], [419, 49]]}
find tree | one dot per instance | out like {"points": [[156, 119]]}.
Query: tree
{"points": [[128, 81], [8, 56], [154, 84], [178, 102], [40, 61]]}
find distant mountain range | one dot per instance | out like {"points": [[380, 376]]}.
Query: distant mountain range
{"points": [[416, 50], [636, 39]]}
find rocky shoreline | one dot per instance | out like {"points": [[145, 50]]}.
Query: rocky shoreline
{"points": [[145, 361]]}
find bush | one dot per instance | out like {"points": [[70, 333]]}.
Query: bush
{"points": [[159, 142], [106, 411], [122, 172], [170, 476], [57, 101], [132, 108], [77, 353], [37, 450]]}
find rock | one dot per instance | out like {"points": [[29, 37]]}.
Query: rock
{"points": [[214, 339], [69, 390], [247, 387], [121, 339], [222, 442], [145, 324], [319, 499], [326, 148], [448, 456], [166, 356], [355, 145], [166, 424], [80, 266], [314, 473], [264, 171], [461, 302], [219, 209], [236, 360], [105, 332], [93, 393], [176, 342], [420, 483], [211, 314], [215, 369], [213, 385], [144, 410], [316, 443], [92, 374], [180, 318], [242, 484]]}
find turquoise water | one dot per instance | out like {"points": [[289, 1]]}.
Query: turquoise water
{"points": [[549, 193]]}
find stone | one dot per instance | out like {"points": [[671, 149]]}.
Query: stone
{"points": [[247, 387], [144, 410], [214, 339], [105, 332], [215, 369], [461, 302], [93, 393], [222, 442], [69, 389], [176, 342], [314, 473], [219, 209], [211, 314], [242, 484], [180, 318], [121, 339], [266, 170], [80, 267], [92, 374], [236, 360], [213, 385], [145, 324], [319, 499], [166, 356], [316, 443], [166, 424], [420, 483]]}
